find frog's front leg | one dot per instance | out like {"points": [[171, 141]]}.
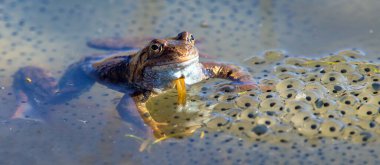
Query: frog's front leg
{"points": [[241, 79], [127, 111]]}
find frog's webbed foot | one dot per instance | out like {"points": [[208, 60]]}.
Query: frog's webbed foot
{"points": [[241, 80], [117, 43], [33, 87], [26, 109]]}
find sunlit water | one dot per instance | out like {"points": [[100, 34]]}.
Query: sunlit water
{"points": [[52, 34]]}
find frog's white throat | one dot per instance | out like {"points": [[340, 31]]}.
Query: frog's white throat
{"points": [[163, 76]]}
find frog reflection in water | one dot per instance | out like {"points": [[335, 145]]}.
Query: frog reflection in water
{"points": [[138, 74]]}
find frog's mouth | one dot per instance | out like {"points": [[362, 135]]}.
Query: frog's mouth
{"points": [[174, 67], [177, 63]]}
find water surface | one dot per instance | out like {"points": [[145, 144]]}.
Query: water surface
{"points": [[52, 34]]}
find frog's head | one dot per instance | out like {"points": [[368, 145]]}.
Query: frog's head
{"points": [[170, 54], [173, 50]]}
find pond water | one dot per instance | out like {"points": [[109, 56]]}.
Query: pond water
{"points": [[88, 130]]}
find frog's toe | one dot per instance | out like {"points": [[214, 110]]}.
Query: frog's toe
{"points": [[246, 87], [226, 88], [26, 111], [158, 134], [159, 123], [266, 88], [237, 87], [155, 126]]}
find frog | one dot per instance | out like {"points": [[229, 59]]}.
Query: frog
{"points": [[137, 73]]}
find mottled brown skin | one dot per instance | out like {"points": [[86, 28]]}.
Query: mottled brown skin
{"points": [[133, 73]]}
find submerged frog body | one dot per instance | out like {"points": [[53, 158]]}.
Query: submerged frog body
{"points": [[138, 74]]}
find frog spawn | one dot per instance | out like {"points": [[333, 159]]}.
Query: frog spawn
{"points": [[311, 99], [339, 92], [308, 119]]}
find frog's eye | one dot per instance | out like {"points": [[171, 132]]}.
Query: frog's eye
{"points": [[186, 36], [192, 37], [156, 48]]}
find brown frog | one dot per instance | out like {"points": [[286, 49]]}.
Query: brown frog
{"points": [[139, 74]]}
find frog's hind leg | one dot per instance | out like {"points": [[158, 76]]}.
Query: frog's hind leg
{"points": [[36, 87], [73, 83]]}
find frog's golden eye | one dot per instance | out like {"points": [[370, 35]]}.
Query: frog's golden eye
{"points": [[156, 48]]}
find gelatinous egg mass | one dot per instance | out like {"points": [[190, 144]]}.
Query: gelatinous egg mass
{"points": [[308, 109]]}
